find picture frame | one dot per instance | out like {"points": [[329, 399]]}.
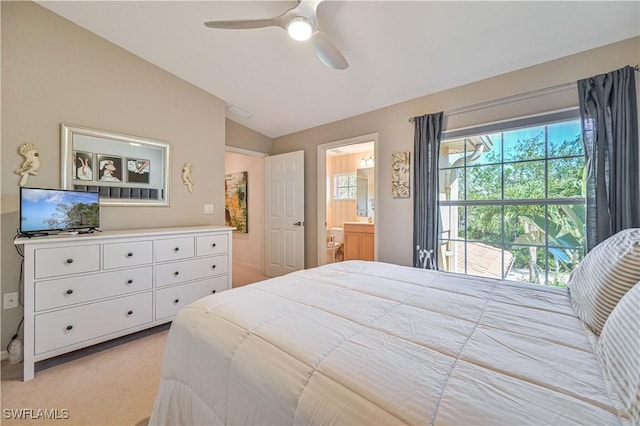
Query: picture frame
{"points": [[119, 187], [138, 170], [236, 201], [83, 168], [109, 168], [401, 174]]}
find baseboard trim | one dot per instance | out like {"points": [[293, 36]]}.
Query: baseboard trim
{"points": [[4, 355]]}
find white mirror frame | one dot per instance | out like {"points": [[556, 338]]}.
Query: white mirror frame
{"points": [[115, 145]]}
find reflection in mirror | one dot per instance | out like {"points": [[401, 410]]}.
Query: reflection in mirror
{"points": [[365, 191], [362, 197], [125, 170]]}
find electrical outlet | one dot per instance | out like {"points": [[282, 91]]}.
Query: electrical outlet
{"points": [[208, 208], [10, 300]]}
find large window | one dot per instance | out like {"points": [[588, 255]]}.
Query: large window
{"points": [[512, 203]]}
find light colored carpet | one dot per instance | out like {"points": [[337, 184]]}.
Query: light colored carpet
{"points": [[114, 383], [246, 274]]}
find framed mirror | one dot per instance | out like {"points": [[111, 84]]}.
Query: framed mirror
{"points": [[125, 170]]}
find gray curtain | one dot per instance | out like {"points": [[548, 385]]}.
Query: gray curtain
{"points": [[426, 217], [610, 133]]}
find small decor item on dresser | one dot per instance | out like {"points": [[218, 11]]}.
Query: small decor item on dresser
{"points": [[186, 176], [31, 162], [400, 169]]}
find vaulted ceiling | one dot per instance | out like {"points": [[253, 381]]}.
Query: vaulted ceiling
{"points": [[397, 50]]}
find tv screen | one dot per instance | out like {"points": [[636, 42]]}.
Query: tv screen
{"points": [[45, 210]]}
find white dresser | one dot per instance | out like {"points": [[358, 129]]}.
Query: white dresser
{"points": [[80, 290]]}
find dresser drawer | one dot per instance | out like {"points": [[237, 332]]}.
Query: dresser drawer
{"points": [[68, 291], [170, 300], [58, 329], [209, 245], [189, 270], [174, 249], [119, 255], [53, 262]]}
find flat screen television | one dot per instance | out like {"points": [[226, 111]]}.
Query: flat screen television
{"points": [[48, 211]]}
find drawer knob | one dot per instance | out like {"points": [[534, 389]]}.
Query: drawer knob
{"points": [[129, 254], [213, 245], [213, 292], [69, 327], [176, 249], [129, 281], [176, 273], [175, 302], [214, 266], [130, 313], [69, 291], [69, 260]]}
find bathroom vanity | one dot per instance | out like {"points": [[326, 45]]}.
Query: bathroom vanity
{"points": [[358, 241]]}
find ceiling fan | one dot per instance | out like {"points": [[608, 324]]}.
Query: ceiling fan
{"points": [[301, 22]]}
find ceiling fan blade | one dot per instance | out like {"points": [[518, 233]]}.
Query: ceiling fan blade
{"points": [[241, 24], [328, 53], [308, 9]]}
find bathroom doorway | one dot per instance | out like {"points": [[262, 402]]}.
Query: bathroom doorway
{"points": [[347, 193]]}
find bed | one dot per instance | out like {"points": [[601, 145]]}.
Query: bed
{"points": [[373, 343]]}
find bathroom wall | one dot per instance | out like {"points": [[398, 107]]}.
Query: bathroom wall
{"points": [[340, 211]]}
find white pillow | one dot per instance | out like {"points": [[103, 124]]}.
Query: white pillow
{"points": [[605, 274], [619, 353]]}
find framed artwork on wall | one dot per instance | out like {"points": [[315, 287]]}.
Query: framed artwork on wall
{"points": [[109, 168], [235, 200], [117, 166], [138, 170], [400, 174], [83, 165]]}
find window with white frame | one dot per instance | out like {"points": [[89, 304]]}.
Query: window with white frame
{"points": [[344, 186], [512, 200]]}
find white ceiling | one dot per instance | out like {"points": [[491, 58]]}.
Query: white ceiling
{"points": [[397, 50]]}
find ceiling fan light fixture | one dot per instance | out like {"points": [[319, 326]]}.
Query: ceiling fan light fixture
{"points": [[301, 22], [299, 29]]}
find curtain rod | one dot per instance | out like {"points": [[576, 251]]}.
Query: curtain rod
{"points": [[506, 99]]}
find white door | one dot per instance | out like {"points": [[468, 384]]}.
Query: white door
{"points": [[284, 213]]}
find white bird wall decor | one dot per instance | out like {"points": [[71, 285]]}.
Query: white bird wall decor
{"points": [[31, 162], [186, 176]]}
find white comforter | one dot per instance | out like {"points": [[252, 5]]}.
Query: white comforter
{"points": [[373, 343]]}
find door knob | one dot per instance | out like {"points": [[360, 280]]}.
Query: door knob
{"points": [[298, 223]]}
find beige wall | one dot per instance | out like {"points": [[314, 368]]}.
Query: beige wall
{"points": [[239, 136], [395, 133], [55, 72], [248, 248]]}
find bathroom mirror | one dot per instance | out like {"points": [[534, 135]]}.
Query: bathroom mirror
{"points": [[125, 170], [364, 192]]}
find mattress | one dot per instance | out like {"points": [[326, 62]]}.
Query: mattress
{"points": [[373, 343]]}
